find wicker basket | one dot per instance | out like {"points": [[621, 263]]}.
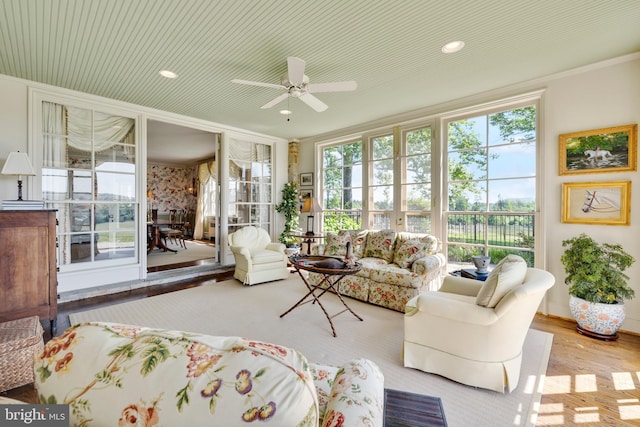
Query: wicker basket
{"points": [[20, 342]]}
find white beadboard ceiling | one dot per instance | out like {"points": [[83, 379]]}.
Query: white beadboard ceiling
{"points": [[115, 49]]}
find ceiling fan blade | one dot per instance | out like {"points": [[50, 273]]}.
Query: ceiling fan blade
{"points": [[248, 82], [276, 100], [295, 70], [313, 102], [332, 87]]}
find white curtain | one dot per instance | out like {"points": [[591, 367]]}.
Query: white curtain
{"points": [[95, 131], [55, 156], [206, 197]]}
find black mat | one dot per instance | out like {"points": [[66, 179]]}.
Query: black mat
{"points": [[403, 409]]}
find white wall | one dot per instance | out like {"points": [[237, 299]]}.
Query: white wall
{"points": [[594, 99], [598, 96], [13, 134]]}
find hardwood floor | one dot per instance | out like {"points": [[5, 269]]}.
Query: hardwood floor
{"points": [[588, 382]]}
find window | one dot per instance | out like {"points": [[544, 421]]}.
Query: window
{"points": [[250, 185], [342, 183], [491, 186], [416, 180], [89, 176], [475, 191], [381, 182]]}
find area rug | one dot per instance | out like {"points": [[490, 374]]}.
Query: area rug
{"points": [[195, 251], [404, 409], [230, 308]]}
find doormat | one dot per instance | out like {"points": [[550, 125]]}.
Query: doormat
{"points": [[404, 409]]}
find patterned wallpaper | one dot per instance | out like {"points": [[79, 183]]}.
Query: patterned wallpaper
{"points": [[170, 185]]}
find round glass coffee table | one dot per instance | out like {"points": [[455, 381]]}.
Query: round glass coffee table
{"points": [[332, 274]]}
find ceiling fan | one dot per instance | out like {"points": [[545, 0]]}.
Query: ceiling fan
{"points": [[296, 83]]}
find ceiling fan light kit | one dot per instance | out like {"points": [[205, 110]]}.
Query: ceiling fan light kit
{"points": [[296, 84]]}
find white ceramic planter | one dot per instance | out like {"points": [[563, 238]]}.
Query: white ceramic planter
{"points": [[597, 318], [481, 262]]}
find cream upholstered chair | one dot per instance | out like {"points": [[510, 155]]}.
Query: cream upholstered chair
{"points": [[257, 258], [473, 332]]}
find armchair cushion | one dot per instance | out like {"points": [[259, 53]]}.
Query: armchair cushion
{"points": [[265, 256], [508, 274]]}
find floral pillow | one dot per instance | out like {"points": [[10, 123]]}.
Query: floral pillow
{"points": [[336, 243], [358, 240], [380, 244], [408, 251]]}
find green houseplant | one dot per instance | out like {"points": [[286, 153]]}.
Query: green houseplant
{"points": [[290, 208], [597, 284]]}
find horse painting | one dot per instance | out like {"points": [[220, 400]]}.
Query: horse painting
{"points": [[594, 154], [598, 201]]}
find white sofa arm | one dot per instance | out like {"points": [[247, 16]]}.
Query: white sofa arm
{"points": [[357, 396], [461, 286], [278, 247]]}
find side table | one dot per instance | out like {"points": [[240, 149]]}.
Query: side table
{"points": [[470, 273], [332, 277], [308, 239]]}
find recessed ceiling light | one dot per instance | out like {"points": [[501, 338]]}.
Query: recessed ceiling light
{"points": [[168, 74], [286, 112], [453, 47]]}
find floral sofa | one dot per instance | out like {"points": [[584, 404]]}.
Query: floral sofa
{"points": [[113, 374], [396, 266]]}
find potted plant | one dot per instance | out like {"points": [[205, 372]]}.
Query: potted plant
{"points": [[597, 285], [290, 208]]}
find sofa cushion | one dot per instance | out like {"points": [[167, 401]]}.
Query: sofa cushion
{"points": [[264, 256], [508, 274], [408, 251], [380, 244]]}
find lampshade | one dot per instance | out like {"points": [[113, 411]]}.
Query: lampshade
{"points": [[311, 205], [17, 164]]}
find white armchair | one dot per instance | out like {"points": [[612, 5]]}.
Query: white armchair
{"points": [[257, 258], [473, 332]]}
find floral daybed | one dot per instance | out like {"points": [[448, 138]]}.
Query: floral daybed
{"points": [[112, 374], [396, 266]]}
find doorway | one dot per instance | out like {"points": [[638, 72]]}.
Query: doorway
{"points": [[182, 197]]}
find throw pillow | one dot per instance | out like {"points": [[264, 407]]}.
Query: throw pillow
{"points": [[408, 251], [380, 244], [508, 274], [336, 244], [358, 240]]}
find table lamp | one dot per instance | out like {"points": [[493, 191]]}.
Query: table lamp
{"points": [[310, 206], [18, 164]]}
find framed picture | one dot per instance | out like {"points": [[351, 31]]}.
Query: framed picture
{"points": [[599, 150], [304, 195], [306, 179], [606, 203]]}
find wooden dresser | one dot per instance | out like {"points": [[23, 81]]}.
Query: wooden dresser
{"points": [[28, 278]]}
